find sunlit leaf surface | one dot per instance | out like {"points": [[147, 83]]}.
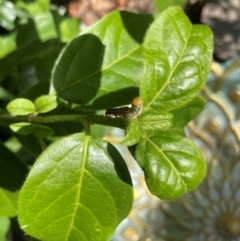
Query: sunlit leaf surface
{"points": [[177, 58], [79, 189]]}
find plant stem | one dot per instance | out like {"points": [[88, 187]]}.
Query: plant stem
{"points": [[93, 119], [87, 127], [42, 143]]}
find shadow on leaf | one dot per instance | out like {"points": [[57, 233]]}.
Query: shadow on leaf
{"points": [[120, 166]]}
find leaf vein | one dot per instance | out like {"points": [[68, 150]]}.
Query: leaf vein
{"points": [[83, 163]]}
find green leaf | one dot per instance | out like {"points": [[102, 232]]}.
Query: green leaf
{"points": [[29, 37], [78, 188], [8, 202], [8, 44], [26, 76], [187, 112], [29, 44], [133, 133], [13, 144], [171, 163], [4, 227], [33, 7], [34, 91], [45, 103], [31, 142], [44, 68], [5, 94], [147, 121], [132, 150], [177, 58], [45, 26], [162, 5], [150, 120], [12, 170], [102, 67], [22, 128], [7, 14], [21, 106], [42, 131], [68, 27]]}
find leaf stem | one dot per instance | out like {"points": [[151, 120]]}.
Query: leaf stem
{"points": [[42, 143], [93, 119], [87, 127]]}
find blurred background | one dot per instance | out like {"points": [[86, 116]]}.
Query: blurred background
{"points": [[212, 211], [222, 16]]}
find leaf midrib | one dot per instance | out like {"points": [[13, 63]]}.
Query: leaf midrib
{"points": [[153, 121], [82, 169]]}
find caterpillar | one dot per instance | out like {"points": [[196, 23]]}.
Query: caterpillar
{"points": [[125, 111]]}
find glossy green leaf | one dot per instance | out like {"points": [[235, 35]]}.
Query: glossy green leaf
{"points": [[12, 170], [21, 106], [102, 67], [133, 133], [22, 128], [79, 189], [4, 227], [187, 112], [172, 164], [8, 202], [45, 103], [150, 120], [42, 131], [177, 58]]}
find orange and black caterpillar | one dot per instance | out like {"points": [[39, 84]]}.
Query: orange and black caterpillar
{"points": [[125, 111]]}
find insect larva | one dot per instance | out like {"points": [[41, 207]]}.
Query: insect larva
{"points": [[125, 111]]}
